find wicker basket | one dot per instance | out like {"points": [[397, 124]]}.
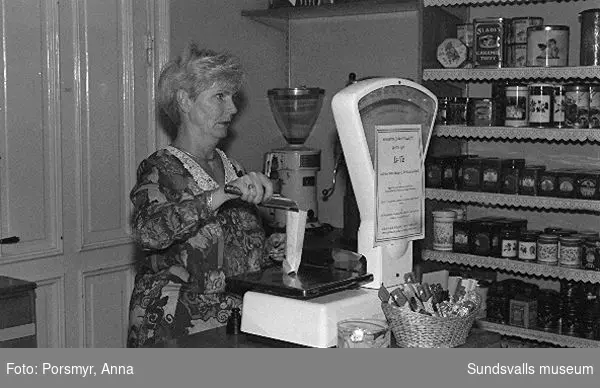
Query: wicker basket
{"points": [[416, 330]]}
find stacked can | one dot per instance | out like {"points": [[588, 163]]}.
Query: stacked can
{"points": [[464, 32], [517, 39]]}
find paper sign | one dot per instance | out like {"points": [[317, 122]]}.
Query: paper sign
{"points": [[399, 184]]}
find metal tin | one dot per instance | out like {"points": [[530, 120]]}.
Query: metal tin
{"points": [[565, 183], [481, 112], [571, 250], [442, 113], [577, 100], [594, 113], [548, 46], [457, 111], [591, 254], [489, 42], [433, 172], [547, 249], [558, 106], [464, 32], [530, 178], [589, 53], [586, 185], [518, 55], [540, 105], [443, 230], [471, 174], [449, 170], [462, 236], [519, 26], [547, 184], [490, 175], [516, 112], [511, 171]]}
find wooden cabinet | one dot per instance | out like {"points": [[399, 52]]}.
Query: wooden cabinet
{"points": [[17, 313], [551, 145]]}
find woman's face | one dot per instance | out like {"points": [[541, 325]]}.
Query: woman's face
{"points": [[212, 111]]}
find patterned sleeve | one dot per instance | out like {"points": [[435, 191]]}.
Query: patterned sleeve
{"points": [[165, 208]]}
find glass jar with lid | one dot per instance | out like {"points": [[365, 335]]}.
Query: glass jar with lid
{"points": [[509, 240], [528, 245]]}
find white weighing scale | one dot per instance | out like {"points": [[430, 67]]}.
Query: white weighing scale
{"points": [[362, 112]]}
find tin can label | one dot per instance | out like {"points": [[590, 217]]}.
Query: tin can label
{"points": [[539, 109], [488, 44], [519, 55], [527, 250]]}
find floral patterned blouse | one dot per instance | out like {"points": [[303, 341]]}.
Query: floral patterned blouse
{"points": [[188, 250]]}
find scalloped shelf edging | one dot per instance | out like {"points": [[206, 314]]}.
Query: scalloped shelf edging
{"points": [[515, 266], [446, 3], [538, 335], [523, 201], [477, 74], [518, 133]]}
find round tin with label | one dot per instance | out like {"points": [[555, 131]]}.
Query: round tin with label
{"points": [[516, 112], [540, 105], [548, 46], [577, 106]]}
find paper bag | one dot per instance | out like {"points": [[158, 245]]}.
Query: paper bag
{"points": [[294, 230]]}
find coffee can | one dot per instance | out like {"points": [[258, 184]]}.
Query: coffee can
{"points": [[548, 46]]}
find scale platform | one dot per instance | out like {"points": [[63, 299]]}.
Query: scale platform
{"points": [[308, 322], [305, 308]]}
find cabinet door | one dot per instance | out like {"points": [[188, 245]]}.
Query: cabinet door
{"points": [[30, 164]]}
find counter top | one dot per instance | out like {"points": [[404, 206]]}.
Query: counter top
{"points": [[218, 338]]}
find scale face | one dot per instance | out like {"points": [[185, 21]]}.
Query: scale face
{"points": [[395, 104]]}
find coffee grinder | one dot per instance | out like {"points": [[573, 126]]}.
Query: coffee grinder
{"points": [[293, 168]]}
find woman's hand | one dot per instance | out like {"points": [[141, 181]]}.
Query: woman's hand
{"points": [[255, 187], [275, 246]]}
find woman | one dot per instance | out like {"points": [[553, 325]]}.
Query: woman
{"points": [[194, 234]]}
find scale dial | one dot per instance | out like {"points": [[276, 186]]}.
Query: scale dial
{"points": [[393, 105]]}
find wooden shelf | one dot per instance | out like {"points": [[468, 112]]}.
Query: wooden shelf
{"points": [[511, 200], [521, 133], [515, 266], [522, 73], [279, 17], [538, 335]]}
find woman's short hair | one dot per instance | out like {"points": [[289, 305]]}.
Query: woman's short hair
{"points": [[194, 71]]}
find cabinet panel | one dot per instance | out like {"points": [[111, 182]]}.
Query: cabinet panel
{"points": [[30, 182], [106, 120], [106, 306]]}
